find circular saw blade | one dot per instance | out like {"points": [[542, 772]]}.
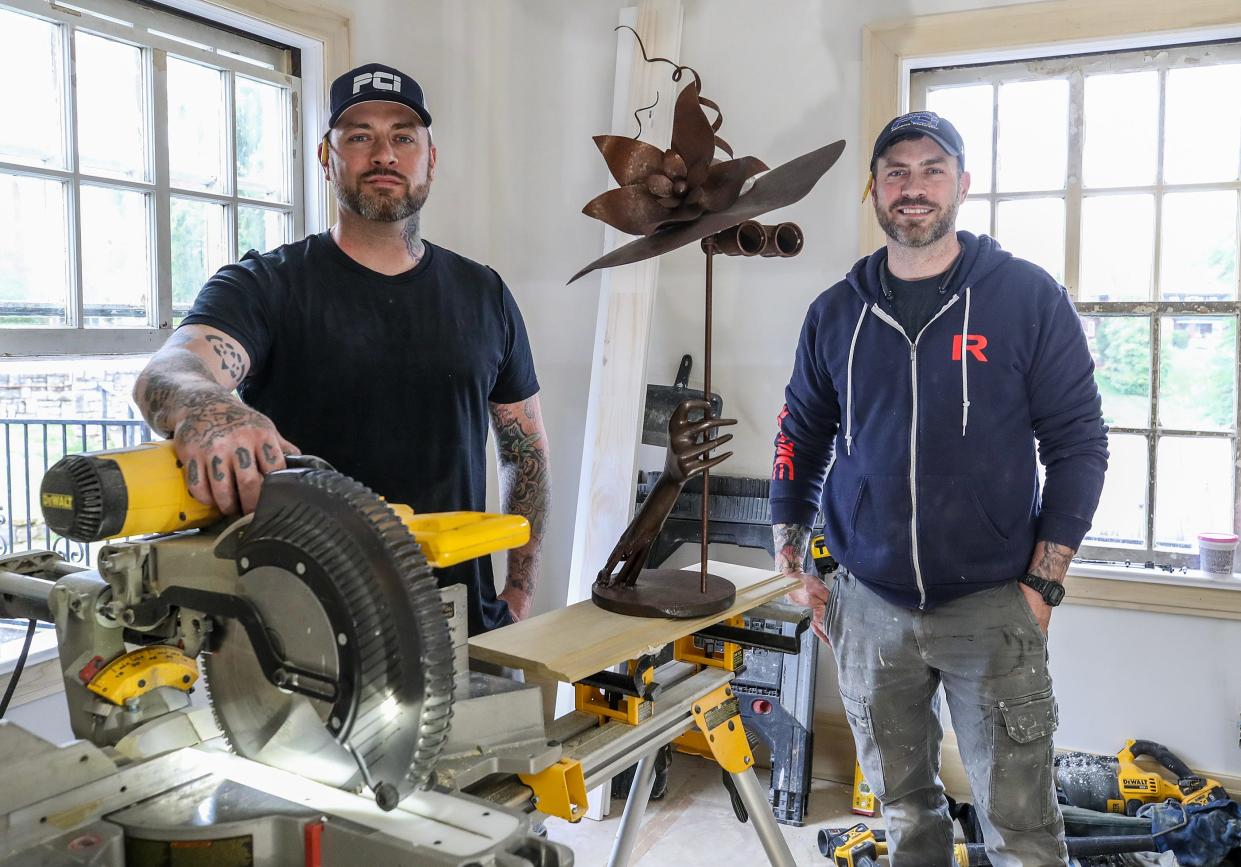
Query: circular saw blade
{"points": [[346, 593]]}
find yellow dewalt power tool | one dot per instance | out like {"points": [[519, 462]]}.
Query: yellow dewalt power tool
{"points": [[824, 562], [1117, 784], [142, 490]]}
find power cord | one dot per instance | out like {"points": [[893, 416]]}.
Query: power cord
{"points": [[17, 669]]}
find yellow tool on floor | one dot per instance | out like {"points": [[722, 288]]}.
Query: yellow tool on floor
{"points": [[1118, 784]]}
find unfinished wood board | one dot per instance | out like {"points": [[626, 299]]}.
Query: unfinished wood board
{"points": [[578, 641]]}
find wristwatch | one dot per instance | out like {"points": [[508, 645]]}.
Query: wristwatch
{"points": [[1051, 591]]}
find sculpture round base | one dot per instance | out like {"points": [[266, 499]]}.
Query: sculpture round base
{"points": [[667, 593]]}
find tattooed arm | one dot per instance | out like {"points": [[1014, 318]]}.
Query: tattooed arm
{"points": [[525, 489], [792, 540], [1050, 561], [185, 392]]}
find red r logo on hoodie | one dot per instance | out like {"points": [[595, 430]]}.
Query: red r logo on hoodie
{"points": [[974, 345]]}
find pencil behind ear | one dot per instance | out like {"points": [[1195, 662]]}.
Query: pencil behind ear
{"points": [[323, 151]]}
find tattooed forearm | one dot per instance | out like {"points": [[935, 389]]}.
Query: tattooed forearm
{"points": [[524, 475], [522, 572], [1051, 561], [525, 484], [791, 540], [158, 391], [231, 361]]}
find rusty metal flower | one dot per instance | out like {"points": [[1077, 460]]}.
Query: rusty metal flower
{"points": [[662, 188]]}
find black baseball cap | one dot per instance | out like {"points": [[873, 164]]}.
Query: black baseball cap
{"points": [[376, 81], [916, 123]]}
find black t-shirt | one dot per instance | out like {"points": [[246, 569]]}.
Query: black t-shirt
{"points": [[387, 378], [915, 302]]}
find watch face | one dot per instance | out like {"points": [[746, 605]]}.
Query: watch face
{"points": [[1054, 593]]}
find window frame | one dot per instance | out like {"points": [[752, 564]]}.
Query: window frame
{"points": [[307, 205], [1074, 69]]}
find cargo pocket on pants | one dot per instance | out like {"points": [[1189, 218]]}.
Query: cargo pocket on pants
{"points": [[870, 757], [1020, 795]]}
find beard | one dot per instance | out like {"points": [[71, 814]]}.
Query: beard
{"points": [[380, 206], [918, 235]]}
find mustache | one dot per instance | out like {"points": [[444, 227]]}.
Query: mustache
{"points": [[382, 172], [913, 203]]}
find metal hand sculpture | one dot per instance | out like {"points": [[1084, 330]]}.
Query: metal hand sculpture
{"points": [[688, 455]]}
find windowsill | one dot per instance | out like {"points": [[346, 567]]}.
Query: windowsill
{"points": [[41, 650], [1192, 594]]}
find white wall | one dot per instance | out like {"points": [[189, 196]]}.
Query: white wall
{"points": [[518, 89]]}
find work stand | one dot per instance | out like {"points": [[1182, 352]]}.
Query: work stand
{"points": [[611, 728], [776, 687], [632, 714]]}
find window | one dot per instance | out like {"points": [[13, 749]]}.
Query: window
{"points": [[141, 152], [1120, 173]]}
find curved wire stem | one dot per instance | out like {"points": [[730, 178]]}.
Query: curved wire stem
{"points": [[642, 109], [678, 70]]}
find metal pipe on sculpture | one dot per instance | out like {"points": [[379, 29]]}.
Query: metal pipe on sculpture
{"points": [[783, 239], [748, 238]]}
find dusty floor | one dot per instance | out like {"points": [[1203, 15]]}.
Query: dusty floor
{"points": [[694, 825]]}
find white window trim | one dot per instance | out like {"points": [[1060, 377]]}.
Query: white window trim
{"points": [[323, 38]]}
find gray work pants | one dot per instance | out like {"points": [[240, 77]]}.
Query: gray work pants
{"points": [[991, 657]]}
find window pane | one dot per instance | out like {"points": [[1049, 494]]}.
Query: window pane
{"points": [[34, 252], [196, 127], [30, 53], [1202, 129], [975, 216], [1199, 246], [1118, 248], [970, 110], [1121, 347], [111, 108], [1197, 372], [261, 150], [1121, 120], [198, 249], [116, 271], [1034, 229], [1121, 516], [260, 229], [1034, 135], [1193, 492]]}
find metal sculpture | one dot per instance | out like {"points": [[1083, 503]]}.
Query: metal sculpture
{"points": [[667, 592], [672, 198]]}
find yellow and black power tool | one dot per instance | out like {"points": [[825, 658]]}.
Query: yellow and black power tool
{"points": [[860, 846], [1117, 784], [141, 490], [824, 562]]}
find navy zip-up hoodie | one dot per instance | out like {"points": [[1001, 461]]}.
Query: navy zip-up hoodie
{"points": [[922, 453]]}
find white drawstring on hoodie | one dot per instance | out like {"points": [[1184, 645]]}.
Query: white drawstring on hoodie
{"points": [[849, 383], [965, 377]]}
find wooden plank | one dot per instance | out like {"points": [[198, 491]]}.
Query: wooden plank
{"points": [[578, 641]]}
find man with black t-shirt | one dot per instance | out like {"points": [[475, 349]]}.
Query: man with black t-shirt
{"points": [[380, 352], [922, 384]]}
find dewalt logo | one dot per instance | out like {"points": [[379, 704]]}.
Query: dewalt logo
{"points": [[57, 501]]}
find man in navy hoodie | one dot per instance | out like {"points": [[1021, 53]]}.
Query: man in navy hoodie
{"points": [[923, 384]]}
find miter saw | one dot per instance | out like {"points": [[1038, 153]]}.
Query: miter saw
{"points": [[330, 666]]}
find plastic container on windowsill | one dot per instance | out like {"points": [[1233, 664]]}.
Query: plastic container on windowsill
{"points": [[1216, 552]]}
